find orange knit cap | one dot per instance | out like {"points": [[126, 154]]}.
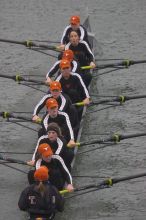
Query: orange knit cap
{"points": [[68, 55], [45, 150], [41, 174], [55, 85], [51, 103], [64, 64], [74, 20]]}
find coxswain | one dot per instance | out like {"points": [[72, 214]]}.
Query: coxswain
{"points": [[82, 53], [76, 26], [72, 84], [68, 55], [57, 143], [59, 174], [64, 103], [59, 117], [41, 199]]}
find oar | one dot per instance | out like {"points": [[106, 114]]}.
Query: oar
{"points": [[106, 183], [14, 168], [120, 99], [11, 115], [114, 138], [13, 152], [124, 63], [29, 43], [18, 78], [47, 41], [13, 160]]}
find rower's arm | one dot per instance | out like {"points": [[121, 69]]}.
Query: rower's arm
{"points": [[53, 69], [64, 169], [83, 87], [69, 125], [89, 53], [41, 104], [64, 39]]}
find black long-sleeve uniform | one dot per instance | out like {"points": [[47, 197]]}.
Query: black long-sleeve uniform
{"points": [[82, 52], [58, 171], [82, 32], [63, 100], [65, 105], [62, 119], [38, 205], [74, 87], [59, 147]]}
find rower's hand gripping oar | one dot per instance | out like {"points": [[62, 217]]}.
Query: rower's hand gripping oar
{"points": [[8, 115], [120, 99], [30, 44], [124, 63], [106, 183], [11, 160], [116, 138]]}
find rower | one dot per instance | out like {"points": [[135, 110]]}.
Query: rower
{"points": [[68, 55], [33, 198], [82, 53], [61, 118], [64, 103], [72, 84], [59, 174], [74, 25], [57, 143]]}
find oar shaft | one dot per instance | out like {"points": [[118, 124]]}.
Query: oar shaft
{"points": [[117, 180], [13, 41], [134, 97], [114, 138], [100, 141], [132, 62], [7, 76], [30, 44], [12, 160], [123, 137], [120, 99], [8, 115], [125, 63], [19, 78]]}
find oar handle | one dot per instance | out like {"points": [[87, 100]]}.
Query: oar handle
{"points": [[78, 104], [62, 192], [86, 67]]}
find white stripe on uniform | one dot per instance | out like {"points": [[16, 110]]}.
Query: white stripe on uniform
{"points": [[64, 33], [74, 66], [40, 103], [42, 137], [53, 67], [68, 124], [63, 102], [82, 33], [82, 83]]}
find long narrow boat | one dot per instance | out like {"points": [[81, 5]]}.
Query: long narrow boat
{"points": [[93, 43]]}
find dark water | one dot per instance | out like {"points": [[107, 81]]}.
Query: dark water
{"points": [[121, 31]]}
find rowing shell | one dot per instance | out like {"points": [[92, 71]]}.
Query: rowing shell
{"points": [[93, 42]]}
